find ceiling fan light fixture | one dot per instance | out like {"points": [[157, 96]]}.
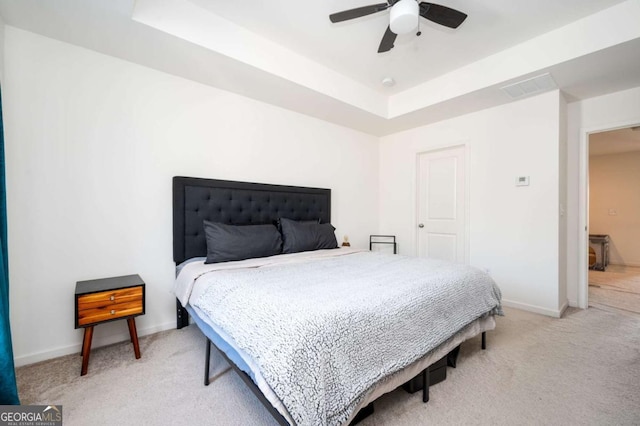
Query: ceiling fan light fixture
{"points": [[404, 16]]}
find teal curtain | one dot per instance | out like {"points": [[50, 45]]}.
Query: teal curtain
{"points": [[8, 389]]}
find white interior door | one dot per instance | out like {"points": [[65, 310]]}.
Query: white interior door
{"points": [[441, 204]]}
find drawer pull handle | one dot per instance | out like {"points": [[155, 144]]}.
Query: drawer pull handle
{"points": [[112, 297], [113, 312]]}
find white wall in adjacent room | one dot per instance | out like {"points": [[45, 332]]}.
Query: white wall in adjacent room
{"points": [[615, 110], [514, 231], [614, 187], [92, 144]]}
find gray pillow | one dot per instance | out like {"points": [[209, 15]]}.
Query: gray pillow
{"points": [[226, 243], [305, 236], [279, 226]]}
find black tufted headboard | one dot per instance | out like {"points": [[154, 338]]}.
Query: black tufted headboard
{"points": [[237, 203]]}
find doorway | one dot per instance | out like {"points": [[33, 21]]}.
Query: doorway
{"points": [[442, 204], [613, 212]]}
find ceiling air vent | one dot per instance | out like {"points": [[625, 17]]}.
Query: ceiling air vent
{"points": [[531, 86]]}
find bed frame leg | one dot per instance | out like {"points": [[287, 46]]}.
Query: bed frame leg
{"points": [[207, 360], [182, 316], [452, 357], [425, 385], [484, 340]]}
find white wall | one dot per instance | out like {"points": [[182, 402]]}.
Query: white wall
{"points": [[514, 231], [563, 234], [614, 183], [92, 143], [2, 27], [615, 110]]}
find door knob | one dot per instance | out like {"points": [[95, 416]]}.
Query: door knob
{"points": [[421, 225]]}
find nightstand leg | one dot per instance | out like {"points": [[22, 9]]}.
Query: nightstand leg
{"points": [[86, 349], [134, 336]]}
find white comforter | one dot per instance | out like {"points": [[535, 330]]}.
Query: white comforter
{"points": [[323, 332]]}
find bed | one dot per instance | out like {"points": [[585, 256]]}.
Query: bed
{"points": [[317, 335]]}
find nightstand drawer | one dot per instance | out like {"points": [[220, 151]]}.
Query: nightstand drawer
{"points": [[109, 312], [108, 298], [108, 305]]}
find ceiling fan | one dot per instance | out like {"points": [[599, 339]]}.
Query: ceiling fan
{"points": [[404, 17]]}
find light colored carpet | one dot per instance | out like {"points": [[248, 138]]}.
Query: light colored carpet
{"points": [[578, 370], [617, 287]]}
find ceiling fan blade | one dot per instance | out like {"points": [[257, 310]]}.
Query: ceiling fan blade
{"points": [[358, 12], [388, 39], [442, 15]]}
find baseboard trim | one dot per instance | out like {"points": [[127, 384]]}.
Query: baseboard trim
{"points": [[75, 349], [633, 264], [563, 308], [535, 309]]}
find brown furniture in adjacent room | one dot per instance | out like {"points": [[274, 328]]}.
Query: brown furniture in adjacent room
{"points": [[592, 258], [108, 299], [600, 242]]}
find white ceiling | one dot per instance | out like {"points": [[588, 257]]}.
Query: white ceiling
{"points": [[351, 47], [288, 54], [614, 141]]}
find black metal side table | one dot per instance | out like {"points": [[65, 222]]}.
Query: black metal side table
{"points": [[383, 239]]}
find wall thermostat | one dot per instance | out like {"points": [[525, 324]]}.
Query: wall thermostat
{"points": [[522, 181]]}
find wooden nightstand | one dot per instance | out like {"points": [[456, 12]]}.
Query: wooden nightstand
{"points": [[108, 299]]}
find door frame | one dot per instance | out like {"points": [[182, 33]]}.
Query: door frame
{"points": [[467, 182], [583, 203]]}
